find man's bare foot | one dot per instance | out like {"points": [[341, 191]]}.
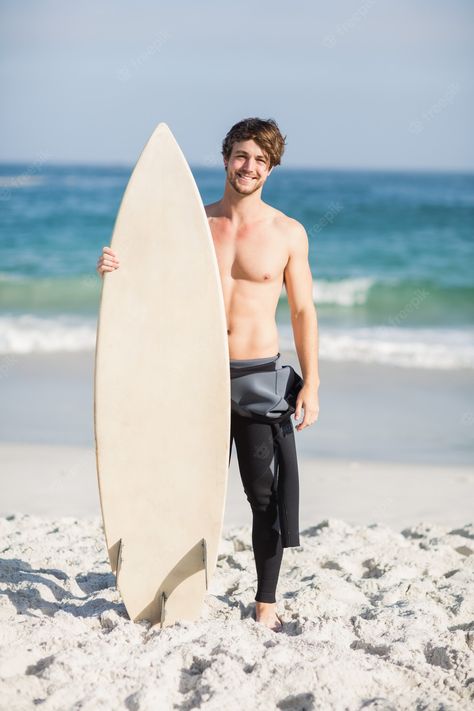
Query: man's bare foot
{"points": [[266, 614]]}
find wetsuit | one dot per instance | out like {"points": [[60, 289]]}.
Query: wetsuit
{"points": [[263, 398]]}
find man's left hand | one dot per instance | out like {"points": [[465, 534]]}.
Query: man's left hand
{"points": [[308, 400]]}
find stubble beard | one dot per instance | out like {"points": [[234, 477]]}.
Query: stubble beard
{"points": [[256, 185]]}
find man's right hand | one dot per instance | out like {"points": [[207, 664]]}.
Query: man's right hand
{"points": [[107, 262]]}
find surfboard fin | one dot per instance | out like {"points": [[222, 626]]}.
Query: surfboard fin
{"points": [[204, 559], [163, 609], [116, 557], [194, 561]]}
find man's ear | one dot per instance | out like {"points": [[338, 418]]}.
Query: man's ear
{"points": [[270, 170]]}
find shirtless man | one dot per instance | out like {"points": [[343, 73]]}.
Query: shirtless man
{"points": [[258, 247]]}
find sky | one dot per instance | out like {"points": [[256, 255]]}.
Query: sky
{"points": [[371, 84]]}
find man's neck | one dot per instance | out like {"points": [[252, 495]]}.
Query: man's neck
{"points": [[241, 208]]}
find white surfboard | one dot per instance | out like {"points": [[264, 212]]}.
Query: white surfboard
{"points": [[162, 392]]}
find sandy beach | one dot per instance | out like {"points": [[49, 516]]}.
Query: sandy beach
{"points": [[373, 618], [377, 601]]}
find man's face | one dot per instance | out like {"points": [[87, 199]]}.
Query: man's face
{"points": [[247, 168]]}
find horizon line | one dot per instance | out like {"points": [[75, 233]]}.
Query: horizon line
{"points": [[203, 166]]}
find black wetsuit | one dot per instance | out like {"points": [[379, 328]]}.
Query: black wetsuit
{"points": [[263, 396]]}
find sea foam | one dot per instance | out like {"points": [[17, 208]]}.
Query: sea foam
{"points": [[421, 347]]}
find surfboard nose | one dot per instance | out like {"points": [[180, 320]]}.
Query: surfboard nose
{"points": [[162, 127]]}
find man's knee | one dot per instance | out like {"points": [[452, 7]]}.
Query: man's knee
{"points": [[262, 502]]}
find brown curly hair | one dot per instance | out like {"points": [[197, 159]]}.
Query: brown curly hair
{"points": [[265, 133]]}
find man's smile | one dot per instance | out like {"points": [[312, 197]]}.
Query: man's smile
{"points": [[245, 178]]}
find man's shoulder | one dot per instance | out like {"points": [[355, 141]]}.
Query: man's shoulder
{"points": [[288, 224]]}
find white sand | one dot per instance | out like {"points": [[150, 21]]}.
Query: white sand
{"points": [[373, 619], [378, 602]]}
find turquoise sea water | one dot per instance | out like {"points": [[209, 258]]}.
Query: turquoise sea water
{"points": [[391, 256]]}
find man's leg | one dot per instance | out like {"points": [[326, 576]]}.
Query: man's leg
{"points": [[254, 446]]}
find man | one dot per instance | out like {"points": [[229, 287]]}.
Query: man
{"points": [[258, 249]]}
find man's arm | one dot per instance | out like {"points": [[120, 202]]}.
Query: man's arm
{"points": [[299, 287], [304, 320]]}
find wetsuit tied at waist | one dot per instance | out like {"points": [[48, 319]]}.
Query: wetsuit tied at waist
{"points": [[265, 391]]}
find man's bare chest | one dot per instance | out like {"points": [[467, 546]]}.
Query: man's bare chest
{"points": [[256, 257]]}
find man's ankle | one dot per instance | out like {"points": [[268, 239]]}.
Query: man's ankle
{"points": [[257, 603]]}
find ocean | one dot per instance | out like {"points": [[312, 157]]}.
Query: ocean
{"points": [[391, 255]]}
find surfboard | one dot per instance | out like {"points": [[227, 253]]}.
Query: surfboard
{"points": [[162, 392]]}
